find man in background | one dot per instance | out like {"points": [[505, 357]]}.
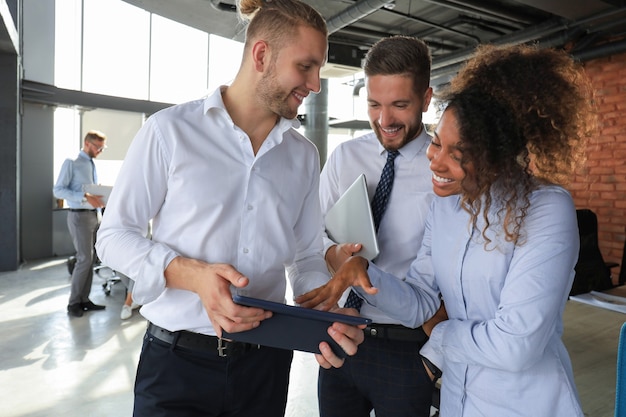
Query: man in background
{"points": [[83, 218]]}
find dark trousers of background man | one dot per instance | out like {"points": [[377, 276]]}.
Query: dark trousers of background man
{"points": [[387, 375], [82, 226]]}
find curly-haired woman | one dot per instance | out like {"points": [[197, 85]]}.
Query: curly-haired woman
{"points": [[501, 240]]}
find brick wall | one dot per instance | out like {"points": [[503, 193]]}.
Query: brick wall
{"points": [[601, 185]]}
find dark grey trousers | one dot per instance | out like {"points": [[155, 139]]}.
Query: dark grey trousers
{"points": [[82, 226]]}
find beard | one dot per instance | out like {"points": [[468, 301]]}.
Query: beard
{"points": [[273, 97], [410, 132]]}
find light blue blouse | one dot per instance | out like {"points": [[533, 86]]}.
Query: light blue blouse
{"points": [[501, 350]]}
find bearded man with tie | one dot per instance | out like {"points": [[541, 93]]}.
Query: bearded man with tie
{"points": [[386, 374]]}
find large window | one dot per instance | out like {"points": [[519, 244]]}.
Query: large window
{"points": [[68, 44], [178, 62], [224, 60], [113, 48], [116, 49]]}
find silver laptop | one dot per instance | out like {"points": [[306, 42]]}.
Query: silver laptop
{"points": [[350, 219]]}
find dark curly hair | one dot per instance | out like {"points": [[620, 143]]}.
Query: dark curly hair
{"points": [[524, 116]]}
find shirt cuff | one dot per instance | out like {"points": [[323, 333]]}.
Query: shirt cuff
{"points": [[150, 282], [327, 245], [432, 349]]}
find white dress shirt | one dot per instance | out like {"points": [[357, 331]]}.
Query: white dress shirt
{"points": [[193, 171], [501, 350], [402, 225]]}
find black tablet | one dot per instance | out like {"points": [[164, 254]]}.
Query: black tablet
{"points": [[291, 327]]}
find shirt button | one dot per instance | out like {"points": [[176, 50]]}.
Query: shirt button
{"points": [[250, 207], [245, 250]]}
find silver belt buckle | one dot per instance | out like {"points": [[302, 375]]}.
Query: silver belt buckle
{"points": [[221, 348]]}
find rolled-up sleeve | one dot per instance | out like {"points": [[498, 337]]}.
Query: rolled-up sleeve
{"points": [[308, 271], [122, 241]]}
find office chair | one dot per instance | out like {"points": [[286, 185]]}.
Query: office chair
{"points": [[622, 272], [621, 279], [109, 275], [620, 385], [592, 273]]}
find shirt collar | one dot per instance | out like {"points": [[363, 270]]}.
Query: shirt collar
{"points": [[215, 101], [414, 147]]}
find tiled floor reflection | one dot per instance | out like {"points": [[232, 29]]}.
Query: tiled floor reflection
{"points": [[52, 365]]}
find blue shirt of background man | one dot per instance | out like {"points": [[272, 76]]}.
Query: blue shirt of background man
{"points": [[74, 175]]}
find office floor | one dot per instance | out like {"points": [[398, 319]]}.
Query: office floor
{"points": [[54, 365]]}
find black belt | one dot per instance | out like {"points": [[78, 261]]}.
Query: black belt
{"points": [[200, 342], [396, 332], [79, 210]]}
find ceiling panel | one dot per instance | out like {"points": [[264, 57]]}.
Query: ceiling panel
{"points": [[569, 9], [451, 28]]}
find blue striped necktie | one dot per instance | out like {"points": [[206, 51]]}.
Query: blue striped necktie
{"points": [[379, 204]]}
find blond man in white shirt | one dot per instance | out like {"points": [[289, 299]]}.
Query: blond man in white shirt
{"points": [[232, 190]]}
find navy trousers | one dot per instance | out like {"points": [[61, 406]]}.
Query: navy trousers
{"points": [[387, 376], [176, 382]]}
